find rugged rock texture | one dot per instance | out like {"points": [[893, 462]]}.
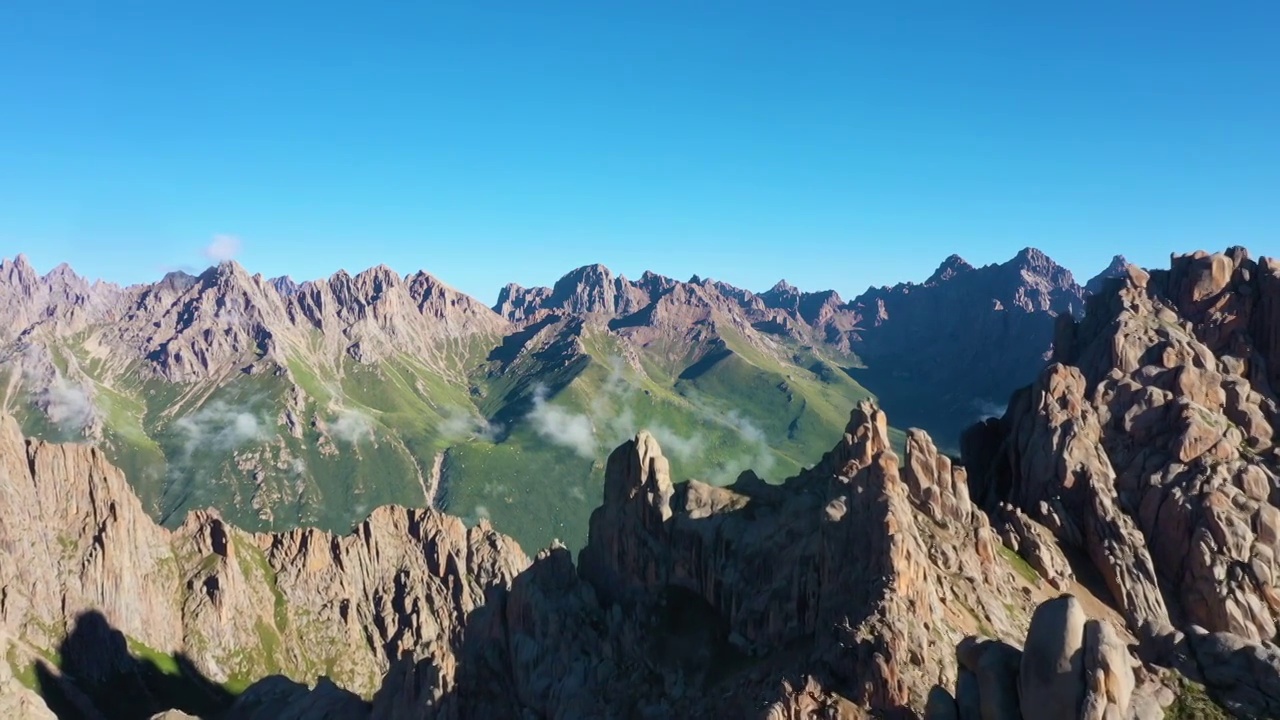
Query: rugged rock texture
{"points": [[1149, 447], [857, 589], [1141, 466], [989, 330], [682, 591], [1035, 544], [79, 558], [251, 394], [830, 596], [187, 328], [1118, 268], [1070, 668]]}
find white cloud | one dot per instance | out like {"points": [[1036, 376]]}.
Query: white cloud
{"points": [[219, 426], [747, 429], [676, 444], [562, 427], [987, 409], [459, 425], [68, 405], [352, 426], [222, 248], [610, 421]]}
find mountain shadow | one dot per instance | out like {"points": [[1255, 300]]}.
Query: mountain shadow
{"points": [[100, 678]]}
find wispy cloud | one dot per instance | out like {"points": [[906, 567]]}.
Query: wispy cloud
{"points": [[757, 455], [222, 248], [351, 426], [987, 409], [561, 426], [68, 405], [460, 425], [610, 421], [219, 426], [675, 444]]}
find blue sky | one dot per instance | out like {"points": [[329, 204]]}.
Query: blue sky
{"points": [[836, 145]]}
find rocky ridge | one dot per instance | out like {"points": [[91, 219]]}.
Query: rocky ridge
{"points": [[860, 588], [1148, 450], [80, 561], [251, 394]]}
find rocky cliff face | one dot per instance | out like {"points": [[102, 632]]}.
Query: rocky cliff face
{"points": [[191, 328], [945, 353], [78, 556], [864, 587], [1118, 268], [1149, 448]]}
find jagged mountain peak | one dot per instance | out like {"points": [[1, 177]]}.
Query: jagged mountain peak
{"points": [[1035, 262], [19, 271], [782, 287], [177, 280], [1118, 267], [62, 271], [285, 285], [952, 266], [593, 273], [17, 261], [377, 280], [224, 273]]}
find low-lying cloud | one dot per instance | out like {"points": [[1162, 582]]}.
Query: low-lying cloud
{"points": [[351, 426], [987, 409], [602, 427], [68, 405], [222, 248], [562, 426], [675, 444], [459, 426], [219, 426]]}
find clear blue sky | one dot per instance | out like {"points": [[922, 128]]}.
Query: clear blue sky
{"points": [[838, 146]]}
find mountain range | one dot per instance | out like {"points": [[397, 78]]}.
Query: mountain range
{"points": [[1104, 548], [285, 404]]}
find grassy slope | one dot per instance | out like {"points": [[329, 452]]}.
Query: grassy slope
{"points": [[716, 415], [741, 409]]}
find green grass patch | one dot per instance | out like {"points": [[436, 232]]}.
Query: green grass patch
{"points": [[1193, 703], [162, 662], [25, 672], [1020, 566]]}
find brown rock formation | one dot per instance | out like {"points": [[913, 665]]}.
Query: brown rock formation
{"points": [[989, 331], [75, 542], [1150, 446], [1071, 668]]}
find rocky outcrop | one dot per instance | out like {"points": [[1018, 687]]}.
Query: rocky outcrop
{"points": [[1070, 668], [1035, 544], [1149, 446], [376, 313], [189, 328], [856, 589], [395, 368], [1118, 268], [993, 324], [678, 580], [834, 593], [78, 552], [1140, 464]]}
